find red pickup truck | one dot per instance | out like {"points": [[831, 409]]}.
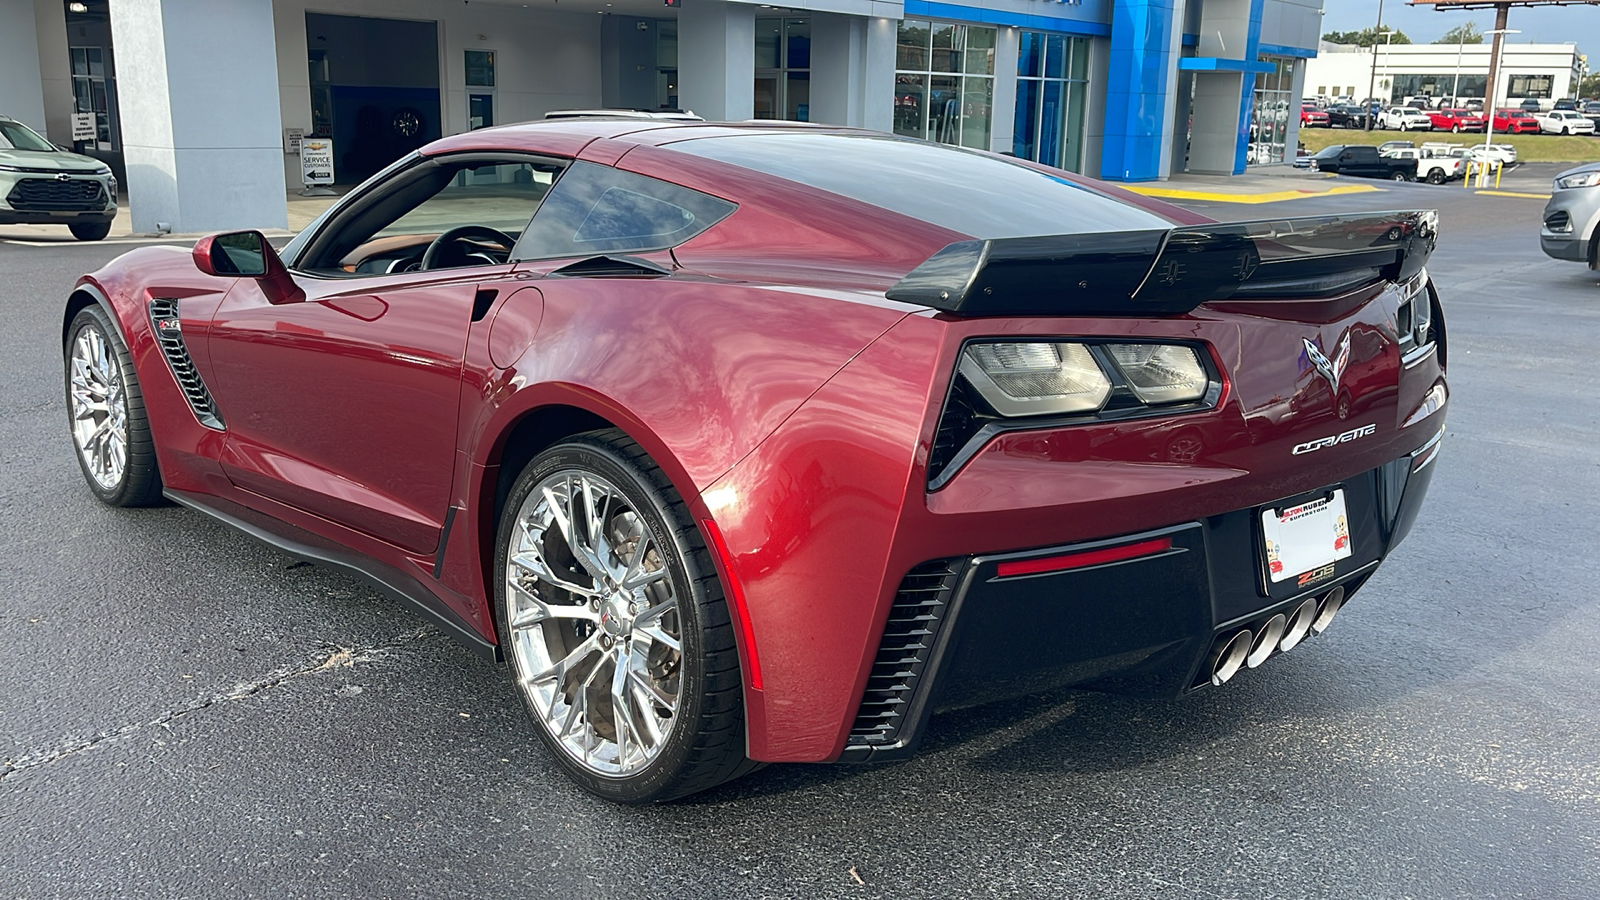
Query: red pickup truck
{"points": [[1456, 120], [1515, 121]]}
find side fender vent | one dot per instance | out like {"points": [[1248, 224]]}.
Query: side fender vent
{"points": [[168, 330], [903, 654]]}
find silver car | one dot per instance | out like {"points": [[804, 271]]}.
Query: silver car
{"points": [[1572, 216]]}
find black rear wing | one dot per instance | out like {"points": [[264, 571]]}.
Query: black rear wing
{"points": [[1171, 271]]}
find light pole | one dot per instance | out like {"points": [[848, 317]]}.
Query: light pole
{"points": [[1372, 82], [1455, 92], [1490, 91]]}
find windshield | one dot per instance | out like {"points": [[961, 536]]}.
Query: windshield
{"points": [[1330, 152], [17, 136]]}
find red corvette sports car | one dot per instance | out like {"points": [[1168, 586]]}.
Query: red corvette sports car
{"points": [[760, 442]]}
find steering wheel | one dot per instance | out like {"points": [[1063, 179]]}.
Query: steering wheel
{"points": [[436, 249]]}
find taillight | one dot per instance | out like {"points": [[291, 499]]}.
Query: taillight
{"points": [[1011, 385]]}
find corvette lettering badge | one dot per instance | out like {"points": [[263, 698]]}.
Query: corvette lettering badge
{"points": [[1330, 369], [1353, 434]]}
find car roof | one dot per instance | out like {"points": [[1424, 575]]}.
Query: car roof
{"points": [[670, 115], [568, 136]]}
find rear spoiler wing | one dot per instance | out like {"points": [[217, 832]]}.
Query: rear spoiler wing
{"points": [[1171, 271]]}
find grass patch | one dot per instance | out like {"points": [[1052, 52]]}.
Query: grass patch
{"points": [[1530, 147]]}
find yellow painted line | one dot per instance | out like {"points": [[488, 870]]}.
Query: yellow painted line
{"points": [[1269, 197], [1513, 194]]}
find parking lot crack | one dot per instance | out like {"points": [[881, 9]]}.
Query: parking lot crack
{"points": [[329, 658]]}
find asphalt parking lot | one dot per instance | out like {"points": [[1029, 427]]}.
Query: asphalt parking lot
{"points": [[186, 713]]}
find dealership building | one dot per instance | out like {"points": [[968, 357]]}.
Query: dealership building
{"points": [[200, 105], [1401, 72]]}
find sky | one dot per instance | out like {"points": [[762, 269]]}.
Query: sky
{"points": [[1424, 25]]}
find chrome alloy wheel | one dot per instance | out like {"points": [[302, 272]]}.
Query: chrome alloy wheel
{"points": [[595, 629], [99, 409]]}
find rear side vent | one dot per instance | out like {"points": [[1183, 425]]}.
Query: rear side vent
{"points": [[168, 331], [903, 655]]}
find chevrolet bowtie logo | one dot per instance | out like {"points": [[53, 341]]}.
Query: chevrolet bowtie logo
{"points": [[1330, 369]]}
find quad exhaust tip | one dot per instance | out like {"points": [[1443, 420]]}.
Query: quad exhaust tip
{"points": [[1327, 610], [1230, 659], [1267, 640], [1299, 625], [1279, 634]]}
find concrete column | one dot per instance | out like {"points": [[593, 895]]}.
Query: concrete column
{"points": [[198, 87], [55, 69], [1217, 122], [838, 57], [877, 85], [1006, 45], [21, 91], [717, 60], [1094, 110], [1291, 140]]}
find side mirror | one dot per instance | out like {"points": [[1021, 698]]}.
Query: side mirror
{"points": [[246, 254]]}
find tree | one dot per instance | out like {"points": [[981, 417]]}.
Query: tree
{"points": [[1365, 37], [1462, 34], [1589, 86]]}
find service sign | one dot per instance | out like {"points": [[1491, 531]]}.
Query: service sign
{"points": [[83, 127], [316, 161]]}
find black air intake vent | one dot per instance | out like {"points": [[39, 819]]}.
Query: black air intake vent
{"points": [[168, 331], [903, 655], [964, 416], [1559, 222]]}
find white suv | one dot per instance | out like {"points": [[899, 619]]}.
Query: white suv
{"points": [[1405, 118]]}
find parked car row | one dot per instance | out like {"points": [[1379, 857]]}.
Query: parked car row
{"points": [[1567, 116], [1433, 162]]}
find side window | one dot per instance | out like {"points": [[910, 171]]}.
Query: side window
{"points": [[597, 209], [501, 196], [438, 214]]}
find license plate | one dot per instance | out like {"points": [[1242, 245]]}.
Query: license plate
{"points": [[1305, 538]]}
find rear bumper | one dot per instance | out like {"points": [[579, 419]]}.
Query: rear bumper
{"points": [[962, 634]]}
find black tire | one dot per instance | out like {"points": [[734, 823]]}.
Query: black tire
{"points": [[1400, 176], [1436, 176], [140, 484], [1455, 129], [706, 745], [90, 231]]}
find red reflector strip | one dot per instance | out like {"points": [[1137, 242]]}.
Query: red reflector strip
{"points": [[741, 612], [1086, 558]]}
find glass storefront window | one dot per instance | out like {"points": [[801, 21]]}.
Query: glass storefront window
{"points": [[783, 69], [944, 82], [1052, 83], [93, 91], [1440, 85], [1269, 111]]}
